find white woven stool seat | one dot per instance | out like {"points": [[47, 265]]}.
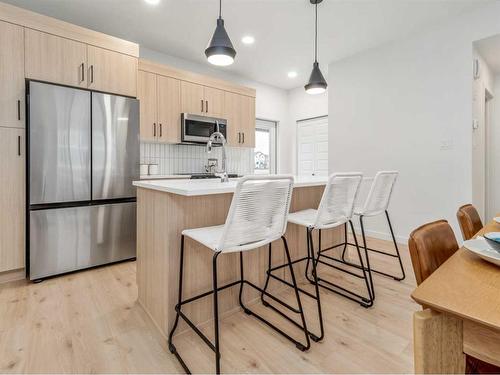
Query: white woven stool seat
{"points": [[207, 236], [305, 218]]}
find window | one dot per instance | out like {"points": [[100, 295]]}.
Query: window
{"points": [[312, 147], [265, 147]]}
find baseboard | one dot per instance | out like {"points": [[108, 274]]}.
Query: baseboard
{"points": [[13, 275], [382, 235]]}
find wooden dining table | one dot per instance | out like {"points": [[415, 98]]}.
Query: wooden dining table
{"points": [[461, 313]]}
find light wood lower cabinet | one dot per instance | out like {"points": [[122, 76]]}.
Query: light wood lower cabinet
{"points": [[51, 58], [111, 71], [240, 115], [11, 75], [12, 198]]}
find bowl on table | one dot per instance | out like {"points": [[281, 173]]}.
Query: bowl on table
{"points": [[487, 247]]}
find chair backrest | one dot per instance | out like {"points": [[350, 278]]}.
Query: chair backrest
{"points": [[337, 203], [430, 246], [380, 193], [469, 220], [258, 212]]}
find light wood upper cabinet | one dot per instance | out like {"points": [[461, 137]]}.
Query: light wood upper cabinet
{"points": [[111, 71], [214, 102], [169, 109], [12, 199], [147, 95], [54, 59], [240, 115], [192, 98], [11, 75]]}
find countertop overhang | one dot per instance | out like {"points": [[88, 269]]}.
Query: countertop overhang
{"points": [[214, 186]]}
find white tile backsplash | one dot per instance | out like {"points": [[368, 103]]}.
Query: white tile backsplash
{"points": [[174, 159]]}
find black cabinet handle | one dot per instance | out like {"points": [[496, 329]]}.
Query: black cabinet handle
{"points": [[160, 131], [243, 137], [19, 110], [239, 137], [154, 129], [83, 72], [91, 73], [19, 145], [206, 109], [202, 105]]}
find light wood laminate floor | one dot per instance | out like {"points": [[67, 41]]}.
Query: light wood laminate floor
{"points": [[90, 322]]}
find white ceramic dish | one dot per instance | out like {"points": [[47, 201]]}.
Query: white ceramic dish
{"points": [[497, 219], [483, 249]]}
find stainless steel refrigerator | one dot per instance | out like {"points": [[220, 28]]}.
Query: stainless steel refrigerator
{"points": [[83, 154]]}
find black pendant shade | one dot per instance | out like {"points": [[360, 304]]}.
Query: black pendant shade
{"points": [[317, 82], [220, 50]]}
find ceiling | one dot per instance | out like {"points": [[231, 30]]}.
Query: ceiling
{"points": [[283, 29], [489, 49]]}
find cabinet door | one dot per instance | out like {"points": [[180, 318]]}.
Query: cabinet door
{"points": [[11, 75], [147, 95], [169, 109], [247, 109], [54, 59], [12, 201], [111, 71], [234, 118], [214, 102], [192, 98]]}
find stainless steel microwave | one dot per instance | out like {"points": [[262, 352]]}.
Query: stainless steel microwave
{"points": [[198, 129]]}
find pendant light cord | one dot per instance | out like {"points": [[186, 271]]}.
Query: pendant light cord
{"points": [[220, 9], [316, 33]]}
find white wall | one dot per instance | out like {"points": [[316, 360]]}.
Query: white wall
{"points": [[407, 106], [301, 106], [493, 207]]}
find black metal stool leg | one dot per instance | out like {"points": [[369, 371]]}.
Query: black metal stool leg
{"points": [[268, 273], [397, 249], [345, 241], [369, 302], [171, 345], [367, 257], [316, 286], [216, 313]]}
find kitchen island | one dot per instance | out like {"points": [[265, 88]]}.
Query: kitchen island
{"points": [[166, 207]]}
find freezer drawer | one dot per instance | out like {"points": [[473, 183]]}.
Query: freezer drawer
{"points": [[68, 239], [115, 146], [59, 144]]}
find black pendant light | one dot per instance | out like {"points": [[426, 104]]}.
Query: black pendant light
{"points": [[220, 50], [317, 83]]}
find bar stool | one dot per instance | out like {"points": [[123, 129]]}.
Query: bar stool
{"points": [[335, 209], [257, 217], [376, 204]]}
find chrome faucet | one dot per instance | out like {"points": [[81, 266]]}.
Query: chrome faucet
{"points": [[219, 137]]}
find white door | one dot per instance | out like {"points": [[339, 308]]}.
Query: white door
{"points": [[312, 147]]}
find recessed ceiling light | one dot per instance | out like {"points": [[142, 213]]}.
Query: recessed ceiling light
{"points": [[292, 74], [248, 39], [152, 2]]}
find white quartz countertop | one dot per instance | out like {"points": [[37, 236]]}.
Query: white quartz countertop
{"points": [[165, 177], [214, 186]]}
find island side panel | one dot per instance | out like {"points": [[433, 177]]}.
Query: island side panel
{"points": [[161, 219]]}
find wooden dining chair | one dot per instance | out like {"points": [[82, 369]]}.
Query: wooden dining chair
{"points": [[469, 220], [430, 246]]}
